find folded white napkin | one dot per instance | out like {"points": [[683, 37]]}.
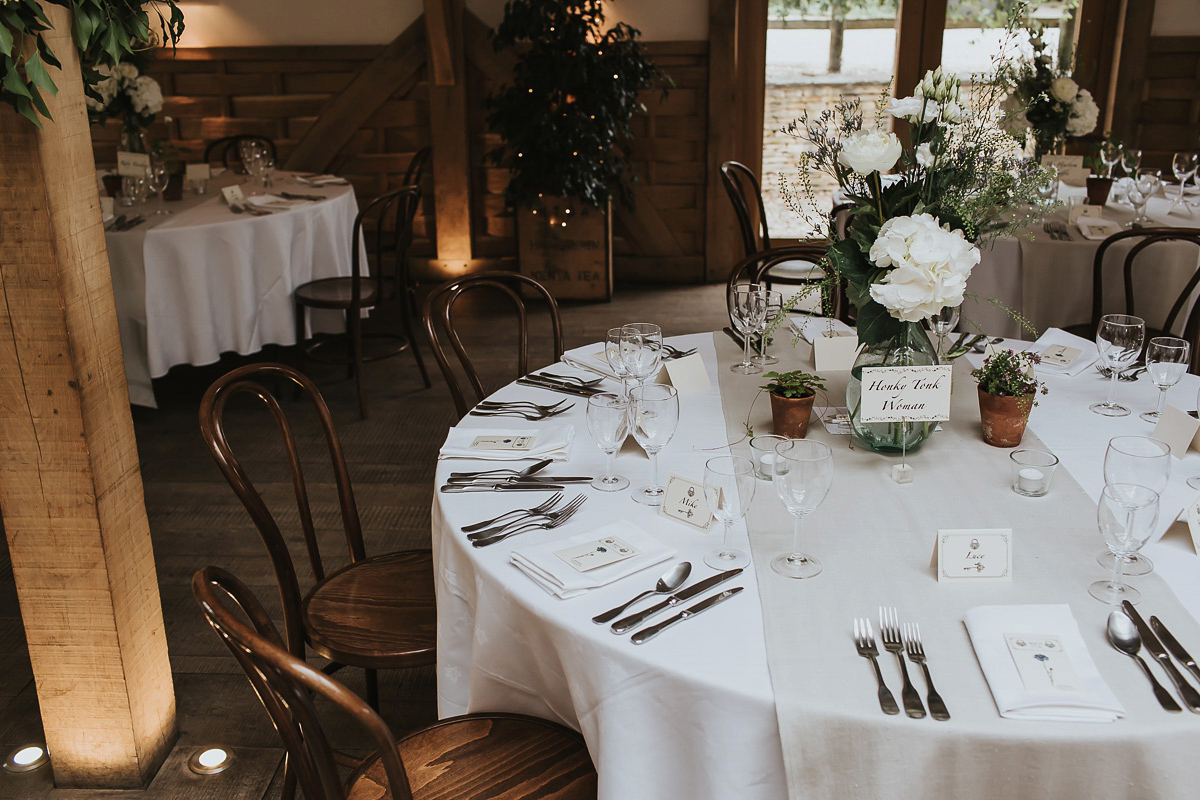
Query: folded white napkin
{"points": [[1090, 701], [591, 358], [323, 180], [553, 442], [812, 327], [562, 580], [274, 203], [1096, 228], [1054, 336]]}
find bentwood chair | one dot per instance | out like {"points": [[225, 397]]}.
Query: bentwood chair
{"points": [[827, 297], [227, 149], [356, 292], [376, 612], [495, 756], [439, 316]]}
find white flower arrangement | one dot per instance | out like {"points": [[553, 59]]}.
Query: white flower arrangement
{"points": [[1045, 103], [929, 262], [127, 94]]}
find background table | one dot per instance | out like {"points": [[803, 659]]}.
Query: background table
{"points": [[204, 281]]}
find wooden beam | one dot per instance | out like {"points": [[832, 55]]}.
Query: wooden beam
{"points": [[438, 16], [451, 151], [752, 82], [1129, 77], [70, 486], [720, 241], [920, 24]]}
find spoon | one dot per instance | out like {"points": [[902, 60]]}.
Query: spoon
{"points": [[1125, 637], [669, 582]]}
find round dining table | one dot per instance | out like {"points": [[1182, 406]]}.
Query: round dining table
{"points": [[765, 696]]}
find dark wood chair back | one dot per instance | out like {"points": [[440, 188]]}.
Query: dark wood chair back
{"points": [[391, 216], [754, 269], [1167, 234], [246, 380], [1185, 295], [227, 149], [746, 196], [443, 336]]}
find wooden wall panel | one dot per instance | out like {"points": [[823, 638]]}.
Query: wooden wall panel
{"points": [[1167, 107]]}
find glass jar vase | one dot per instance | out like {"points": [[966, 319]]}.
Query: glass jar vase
{"points": [[910, 347]]}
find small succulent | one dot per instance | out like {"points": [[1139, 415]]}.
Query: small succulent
{"points": [[796, 383]]}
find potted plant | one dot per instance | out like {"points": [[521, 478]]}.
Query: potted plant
{"points": [[1008, 391], [562, 121], [792, 395]]}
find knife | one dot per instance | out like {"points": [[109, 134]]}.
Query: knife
{"points": [[549, 381], [529, 479], [115, 224], [1191, 698], [641, 637], [625, 623], [1174, 646], [554, 387], [519, 486]]}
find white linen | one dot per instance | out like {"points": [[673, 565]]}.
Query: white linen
{"points": [[273, 203], [550, 441], [590, 357], [560, 579], [811, 327], [988, 625], [323, 180], [1057, 336]]}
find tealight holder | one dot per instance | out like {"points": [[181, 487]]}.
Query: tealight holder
{"points": [[1032, 471], [763, 451]]}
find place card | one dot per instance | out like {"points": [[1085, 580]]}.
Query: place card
{"points": [[106, 206], [898, 394], [983, 555], [503, 443], [1097, 228], [133, 165], [1192, 536], [1042, 662], [198, 172], [599, 553], [684, 502], [1060, 355], [1071, 170], [1176, 429], [834, 352], [686, 374], [1082, 210], [233, 195]]}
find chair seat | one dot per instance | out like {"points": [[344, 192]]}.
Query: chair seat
{"points": [[336, 293], [798, 271], [497, 756], [378, 613]]}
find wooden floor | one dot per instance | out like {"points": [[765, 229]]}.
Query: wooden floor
{"points": [[196, 520]]}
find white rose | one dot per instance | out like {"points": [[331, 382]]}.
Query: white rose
{"points": [[146, 96], [952, 112], [1084, 115], [870, 150], [931, 264], [912, 108], [925, 155], [1063, 89]]}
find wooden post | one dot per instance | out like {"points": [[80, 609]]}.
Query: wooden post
{"points": [[70, 488], [918, 46], [720, 242]]}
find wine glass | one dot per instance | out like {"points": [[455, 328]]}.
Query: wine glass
{"points": [[803, 473], [641, 349], [1141, 461], [1048, 189], [156, 181], [1142, 189], [608, 424], [1131, 160], [774, 310], [254, 158], [1183, 165], [1166, 361], [728, 489], [942, 323], [1110, 154], [1126, 515], [1119, 340], [612, 353], [654, 415], [747, 307]]}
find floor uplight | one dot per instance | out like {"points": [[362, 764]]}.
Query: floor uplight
{"points": [[210, 760], [26, 759]]}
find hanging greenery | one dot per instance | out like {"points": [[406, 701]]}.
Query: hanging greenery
{"points": [[574, 91], [105, 31]]}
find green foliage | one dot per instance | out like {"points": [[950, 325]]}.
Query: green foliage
{"points": [[796, 383], [1007, 373], [567, 111], [105, 31]]}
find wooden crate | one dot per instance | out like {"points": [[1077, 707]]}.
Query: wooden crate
{"points": [[573, 260]]}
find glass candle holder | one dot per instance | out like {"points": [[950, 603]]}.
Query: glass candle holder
{"points": [[1032, 471], [763, 454]]}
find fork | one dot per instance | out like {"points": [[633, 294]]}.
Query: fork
{"points": [[864, 641], [532, 416], [551, 515], [889, 632], [492, 405], [569, 379], [916, 654], [556, 518], [675, 352], [546, 506]]}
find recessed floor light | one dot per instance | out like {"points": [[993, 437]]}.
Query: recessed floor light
{"points": [[26, 759], [210, 760]]}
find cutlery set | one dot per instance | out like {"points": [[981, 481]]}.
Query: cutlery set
{"points": [[1128, 632], [294, 196], [499, 480], [562, 383], [548, 517], [681, 596], [1058, 230], [519, 408], [1127, 374], [123, 224], [249, 208], [898, 639]]}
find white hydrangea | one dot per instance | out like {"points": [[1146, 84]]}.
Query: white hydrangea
{"points": [[1063, 89], [146, 96], [870, 150], [1084, 115], [930, 262], [125, 73]]}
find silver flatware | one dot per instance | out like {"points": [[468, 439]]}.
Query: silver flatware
{"points": [[671, 580], [545, 506], [530, 415], [523, 473], [1191, 698], [506, 486], [1173, 645], [526, 479], [568, 379], [687, 593], [672, 352], [567, 510], [569, 384], [115, 223], [1123, 635], [294, 196], [491, 404], [558, 387], [643, 636], [864, 642], [916, 654], [889, 633], [132, 222], [562, 517]]}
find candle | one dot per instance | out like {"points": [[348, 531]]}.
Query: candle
{"points": [[1030, 480]]}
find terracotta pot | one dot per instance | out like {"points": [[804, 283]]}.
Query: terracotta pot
{"points": [[1004, 418], [790, 415], [1098, 189]]}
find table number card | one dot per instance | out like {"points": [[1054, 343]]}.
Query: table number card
{"points": [[684, 502], [233, 195], [913, 394], [198, 172], [133, 165], [836, 352], [983, 555], [1071, 170], [686, 374], [1082, 210], [1177, 430]]}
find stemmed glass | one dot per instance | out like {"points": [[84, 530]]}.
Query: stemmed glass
{"points": [[156, 181], [1166, 361], [1141, 461], [1110, 154], [1119, 340], [654, 415], [608, 423], [641, 349], [728, 489], [803, 473], [1048, 190], [1183, 165], [942, 323], [1126, 515], [254, 159], [1131, 160], [612, 353], [1140, 191], [747, 308], [774, 310]]}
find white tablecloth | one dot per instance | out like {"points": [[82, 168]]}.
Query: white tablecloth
{"points": [[204, 281], [692, 714]]}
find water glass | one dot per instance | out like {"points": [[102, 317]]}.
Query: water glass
{"points": [[156, 181], [133, 190], [1126, 515], [1131, 160], [1166, 361], [1183, 166], [608, 424], [654, 415], [747, 308], [1142, 461], [1110, 154], [762, 449], [641, 349], [612, 354], [803, 474], [774, 311], [1048, 191], [728, 489], [1119, 340], [941, 324], [1032, 472]]}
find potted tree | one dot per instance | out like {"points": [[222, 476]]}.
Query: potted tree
{"points": [[562, 120], [1008, 391], [792, 394]]}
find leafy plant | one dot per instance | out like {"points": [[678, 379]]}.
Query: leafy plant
{"points": [[567, 111], [796, 383], [105, 31], [1008, 373]]}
